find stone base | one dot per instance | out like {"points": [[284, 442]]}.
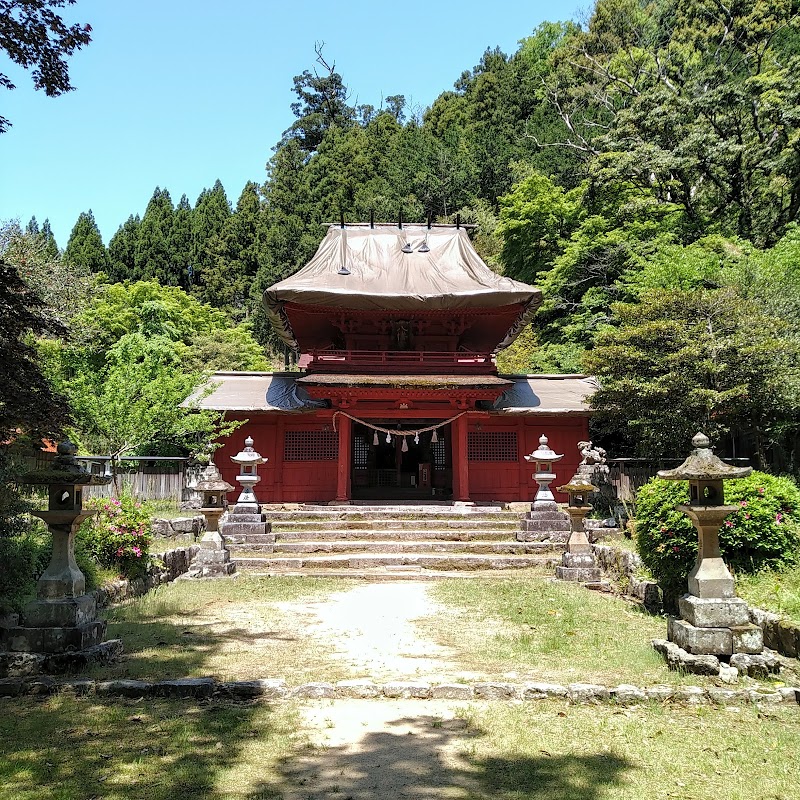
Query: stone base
{"points": [[66, 612], [210, 563], [578, 574], [62, 639], [719, 641], [19, 664], [713, 612]]}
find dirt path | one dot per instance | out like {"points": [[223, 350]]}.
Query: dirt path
{"points": [[371, 629], [365, 749]]}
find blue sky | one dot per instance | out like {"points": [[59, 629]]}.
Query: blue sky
{"points": [[178, 93]]}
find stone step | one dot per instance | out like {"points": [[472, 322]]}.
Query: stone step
{"points": [[249, 538], [340, 513], [394, 524], [378, 547], [244, 528], [402, 534], [381, 574], [435, 561], [245, 518]]}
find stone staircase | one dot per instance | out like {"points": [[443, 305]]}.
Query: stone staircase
{"points": [[390, 541]]}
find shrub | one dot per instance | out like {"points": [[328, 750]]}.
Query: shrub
{"points": [[119, 536], [763, 532], [24, 557]]}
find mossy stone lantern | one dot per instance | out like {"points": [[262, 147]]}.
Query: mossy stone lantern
{"points": [[63, 618], [213, 492], [706, 509], [578, 562], [543, 459], [713, 620]]}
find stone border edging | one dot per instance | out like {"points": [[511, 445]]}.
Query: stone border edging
{"points": [[624, 564], [277, 689]]}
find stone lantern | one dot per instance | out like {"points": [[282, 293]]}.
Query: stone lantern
{"points": [[543, 458], [578, 562], [544, 522], [713, 620], [248, 461], [213, 493], [61, 625]]}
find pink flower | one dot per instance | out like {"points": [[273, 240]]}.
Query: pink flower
{"points": [[120, 552], [778, 517], [728, 523], [675, 548], [761, 490], [743, 503], [747, 516], [137, 551]]}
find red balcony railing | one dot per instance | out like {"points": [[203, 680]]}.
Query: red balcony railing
{"points": [[401, 361]]}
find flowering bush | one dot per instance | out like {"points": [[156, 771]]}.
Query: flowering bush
{"points": [[763, 531], [119, 536]]}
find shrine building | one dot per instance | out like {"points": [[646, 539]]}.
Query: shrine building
{"points": [[398, 397]]}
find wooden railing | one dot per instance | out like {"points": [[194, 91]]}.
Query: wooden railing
{"points": [[399, 361]]}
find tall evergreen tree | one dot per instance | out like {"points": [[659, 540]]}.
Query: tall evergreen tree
{"points": [[49, 243], [122, 251], [153, 256], [85, 247], [210, 216], [180, 240]]}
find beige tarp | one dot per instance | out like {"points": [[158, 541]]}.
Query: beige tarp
{"points": [[382, 277]]}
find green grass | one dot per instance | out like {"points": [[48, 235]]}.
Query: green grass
{"points": [[561, 752], [773, 591], [227, 629], [541, 629], [168, 509], [65, 748]]}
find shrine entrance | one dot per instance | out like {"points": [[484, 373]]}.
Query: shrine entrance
{"points": [[401, 467]]}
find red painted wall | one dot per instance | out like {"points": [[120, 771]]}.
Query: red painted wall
{"points": [[315, 481]]}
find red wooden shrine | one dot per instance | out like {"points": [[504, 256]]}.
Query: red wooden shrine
{"points": [[398, 396]]}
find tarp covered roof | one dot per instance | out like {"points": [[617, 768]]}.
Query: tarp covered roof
{"points": [[263, 391], [381, 277]]}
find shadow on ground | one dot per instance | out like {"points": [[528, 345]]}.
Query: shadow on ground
{"points": [[426, 757]]}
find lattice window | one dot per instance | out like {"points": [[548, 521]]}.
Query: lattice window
{"points": [[492, 445], [360, 450], [310, 446], [439, 451]]}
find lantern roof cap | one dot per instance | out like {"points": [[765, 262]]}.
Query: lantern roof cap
{"points": [[213, 485], [543, 452], [703, 465], [65, 469], [577, 485], [248, 455]]}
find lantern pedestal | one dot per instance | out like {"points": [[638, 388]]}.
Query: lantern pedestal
{"points": [[59, 630], [578, 563], [713, 620], [544, 522]]}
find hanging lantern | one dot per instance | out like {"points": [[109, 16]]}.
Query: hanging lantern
{"points": [[434, 437], [404, 447], [416, 438], [375, 439], [388, 438]]}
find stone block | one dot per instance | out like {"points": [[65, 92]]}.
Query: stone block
{"points": [[80, 687], [56, 639], [184, 525], [535, 690], [357, 688], [161, 528], [578, 574], [728, 674], [627, 694], [587, 692], [492, 690], [256, 518], [724, 697], [272, 689], [242, 528], [788, 637], [689, 694], [187, 688], [123, 688], [314, 691], [790, 694], [452, 691], [556, 523], [747, 638], [10, 687], [407, 689], [41, 685], [69, 612], [755, 665], [762, 697], [713, 612], [660, 692], [700, 641]]}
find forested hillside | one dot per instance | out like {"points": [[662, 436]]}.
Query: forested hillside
{"points": [[642, 168]]}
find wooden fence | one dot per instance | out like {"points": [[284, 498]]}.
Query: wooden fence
{"points": [[147, 486]]}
